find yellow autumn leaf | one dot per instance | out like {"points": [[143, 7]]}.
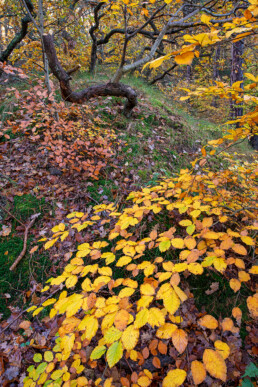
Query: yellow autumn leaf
{"points": [[185, 58], [123, 261], [98, 352], [252, 304], [185, 222], [247, 240], [206, 19], [157, 62], [50, 243], [143, 381], [198, 372], [180, 340], [114, 353], [220, 264], [243, 276], [174, 378], [164, 245], [122, 318], [166, 331], [207, 222], [239, 249], [74, 307], [66, 344], [178, 243], [235, 284], [48, 356], [141, 318], [130, 337], [190, 243], [171, 301], [71, 281], [149, 270], [190, 229], [64, 235], [91, 328], [183, 297], [215, 364], [49, 302], [156, 317], [37, 311], [254, 269], [126, 292], [112, 334], [195, 268], [222, 348], [195, 213], [208, 321], [106, 271], [211, 235], [147, 290]]}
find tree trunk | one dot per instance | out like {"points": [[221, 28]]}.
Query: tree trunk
{"points": [[19, 36], [93, 56], [94, 47], [71, 43], [236, 75], [109, 89], [216, 72], [187, 9]]}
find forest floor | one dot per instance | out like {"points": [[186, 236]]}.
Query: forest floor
{"points": [[160, 139]]}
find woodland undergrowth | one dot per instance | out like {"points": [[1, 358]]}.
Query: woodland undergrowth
{"points": [[122, 311]]}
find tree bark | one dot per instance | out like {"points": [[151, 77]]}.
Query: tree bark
{"points": [[19, 36], [94, 46], [236, 73], [108, 89], [216, 72], [71, 43], [160, 77]]}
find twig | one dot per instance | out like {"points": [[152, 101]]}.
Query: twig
{"points": [[25, 310], [8, 178], [10, 214], [24, 243]]}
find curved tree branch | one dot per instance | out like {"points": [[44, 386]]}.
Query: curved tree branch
{"points": [[19, 36], [92, 30], [108, 89]]}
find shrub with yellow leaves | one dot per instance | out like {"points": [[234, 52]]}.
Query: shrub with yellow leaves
{"points": [[134, 284]]}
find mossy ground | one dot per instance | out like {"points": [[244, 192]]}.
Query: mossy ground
{"points": [[14, 285]]}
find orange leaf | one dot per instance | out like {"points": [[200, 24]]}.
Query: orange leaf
{"points": [[153, 234], [215, 364], [180, 340], [237, 313], [235, 284], [121, 319], [227, 324], [208, 321], [252, 303], [162, 347], [184, 59], [239, 249], [198, 371], [156, 362]]}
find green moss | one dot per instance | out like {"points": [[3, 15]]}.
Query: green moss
{"points": [[27, 205], [101, 188], [222, 301], [14, 284]]}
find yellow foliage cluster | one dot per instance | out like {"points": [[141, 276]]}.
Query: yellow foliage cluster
{"points": [[211, 223]]}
